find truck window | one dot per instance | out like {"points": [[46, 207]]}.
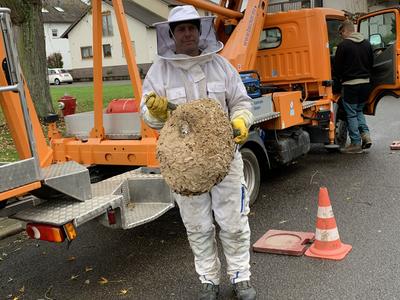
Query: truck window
{"points": [[270, 38], [333, 35], [380, 30]]}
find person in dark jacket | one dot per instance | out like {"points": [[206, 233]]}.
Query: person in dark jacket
{"points": [[353, 66]]}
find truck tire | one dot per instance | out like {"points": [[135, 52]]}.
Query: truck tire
{"points": [[340, 128], [341, 133], [57, 81], [3, 204], [251, 170]]}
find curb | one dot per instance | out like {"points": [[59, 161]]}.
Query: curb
{"points": [[10, 227]]}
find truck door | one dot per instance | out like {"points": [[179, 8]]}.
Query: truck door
{"points": [[380, 28]]}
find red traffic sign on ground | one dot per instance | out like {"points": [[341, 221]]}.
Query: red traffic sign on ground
{"points": [[284, 242]]}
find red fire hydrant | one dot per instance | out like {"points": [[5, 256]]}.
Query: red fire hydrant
{"points": [[67, 104]]}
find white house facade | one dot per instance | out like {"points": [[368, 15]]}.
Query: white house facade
{"points": [[353, 6], [140, 15], [142, 38], [80, 39], [57, 18], [54, 43]]}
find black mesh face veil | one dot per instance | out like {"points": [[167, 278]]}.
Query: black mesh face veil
{"points": [[195, 22]]}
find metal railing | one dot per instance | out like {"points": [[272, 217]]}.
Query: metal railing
{"points": [[293, 5]]}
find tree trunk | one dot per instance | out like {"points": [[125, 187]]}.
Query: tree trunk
{"points": [[26, 16]]}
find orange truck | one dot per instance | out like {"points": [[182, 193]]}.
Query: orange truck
{"points": [[105, 167]]}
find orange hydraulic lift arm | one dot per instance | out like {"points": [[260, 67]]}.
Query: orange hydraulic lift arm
{"points": [[242, 44], [98, 130], [136, 82], [98, 149], [217, 9]]}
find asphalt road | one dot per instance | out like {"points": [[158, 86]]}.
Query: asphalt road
{"points": [[154, 261]]}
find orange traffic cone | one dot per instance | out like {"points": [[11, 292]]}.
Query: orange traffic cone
{"points": [[327, 243]]}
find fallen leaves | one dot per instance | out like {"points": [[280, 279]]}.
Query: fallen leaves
{"points": [[20, 295], [7, 148], [88, 269], [46, 295], [124, 291], [74, 277], [103, 280]]}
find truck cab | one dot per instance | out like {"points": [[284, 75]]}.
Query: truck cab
{"points": [[296, 49], [381, 28]]}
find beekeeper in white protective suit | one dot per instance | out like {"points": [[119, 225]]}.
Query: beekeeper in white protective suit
{"points": [[188, 68]]}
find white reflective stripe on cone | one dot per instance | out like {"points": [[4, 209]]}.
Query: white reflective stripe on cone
{"points": [[327, 235], [325, 212]]}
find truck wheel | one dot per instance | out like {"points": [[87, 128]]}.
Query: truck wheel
{"points": [[57, 81], [251, 170], [341, 133], [3, 204]]}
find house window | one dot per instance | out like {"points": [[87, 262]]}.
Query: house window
{"points": [[86, 52], [54, 32], [107, 50], [133, 48], [59, 8], [107, 24], [44, 10]]}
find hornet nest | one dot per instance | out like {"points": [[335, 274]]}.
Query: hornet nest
{"points": [[195, 147]]}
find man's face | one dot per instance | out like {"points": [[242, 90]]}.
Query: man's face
{"points": [[187, 39]]}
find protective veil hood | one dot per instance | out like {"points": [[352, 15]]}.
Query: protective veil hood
{"points": [[208, 42]]}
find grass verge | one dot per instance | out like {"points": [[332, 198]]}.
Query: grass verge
{"points": [[84, 97]]}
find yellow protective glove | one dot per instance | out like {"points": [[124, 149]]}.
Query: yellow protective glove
{"points": [[240, 130], [157, 106]]}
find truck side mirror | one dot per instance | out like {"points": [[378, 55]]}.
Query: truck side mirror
{"points": [[376, 41]]}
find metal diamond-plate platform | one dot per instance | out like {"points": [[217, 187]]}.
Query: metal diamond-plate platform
{"points": [[147, 196], [140, 198], [16, 174], [141, 213], [266, 117], [69, 178], [308, 104], [63, 211], [263, 109]]}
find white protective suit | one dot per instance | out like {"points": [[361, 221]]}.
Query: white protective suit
{"points": [[182, 78]]}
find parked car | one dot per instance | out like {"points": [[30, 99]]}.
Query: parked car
{"points": [[58, 76]]}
